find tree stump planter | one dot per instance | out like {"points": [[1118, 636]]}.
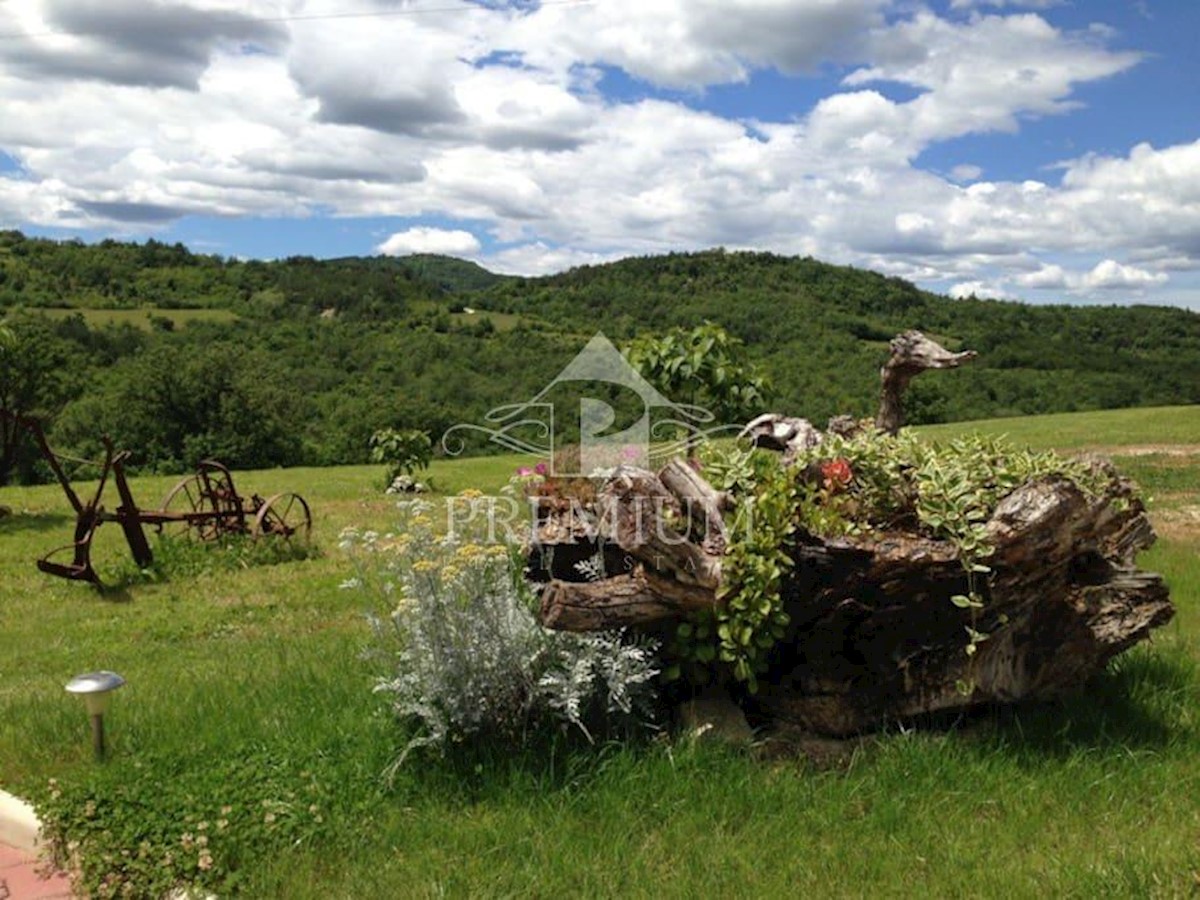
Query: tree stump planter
{"points": [[873, 634]]}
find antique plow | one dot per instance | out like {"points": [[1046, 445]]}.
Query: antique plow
{"points": [[205, 506]]}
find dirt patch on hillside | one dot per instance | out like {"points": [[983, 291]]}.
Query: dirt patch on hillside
{"points": [[1179, 524], [1146, 450]]}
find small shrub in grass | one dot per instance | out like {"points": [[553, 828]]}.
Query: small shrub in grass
{"points": [[405, 453], [462, 656]]}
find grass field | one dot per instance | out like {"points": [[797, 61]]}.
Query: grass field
{"points": [[1097, 795], [139, 318]]}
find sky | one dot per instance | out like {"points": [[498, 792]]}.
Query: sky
{"points": [[1042, 150]]}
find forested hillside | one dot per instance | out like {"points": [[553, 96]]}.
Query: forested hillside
{"points": [[180, 355], [821, 332]]}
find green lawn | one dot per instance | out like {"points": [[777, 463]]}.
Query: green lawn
{"points": [[139, 318], [1107, 428], [1097, 795]]}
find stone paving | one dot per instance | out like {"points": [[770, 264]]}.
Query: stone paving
{"points": [[21, 875], [21, 879]]}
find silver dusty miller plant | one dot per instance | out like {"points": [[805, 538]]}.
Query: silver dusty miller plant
{"points": [[461, 653]]}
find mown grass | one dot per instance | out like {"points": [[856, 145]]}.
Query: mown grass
{"points": [[1095, 795], [1109, 428], [141, 318]]}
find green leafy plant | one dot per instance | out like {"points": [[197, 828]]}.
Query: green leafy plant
{"points": [[702, 366], [858, 487], [147, 828], [736, 636], [405, 453]]}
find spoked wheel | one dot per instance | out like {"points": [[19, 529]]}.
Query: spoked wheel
{"points": [[284, 515], [206, 503]]}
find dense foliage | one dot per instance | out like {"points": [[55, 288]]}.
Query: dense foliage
{"points": [[404, 452], [702, 366], [314, 356], [863, 486], [821, 333]]}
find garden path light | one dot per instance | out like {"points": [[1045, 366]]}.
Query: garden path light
{"points": [[96, 689]]}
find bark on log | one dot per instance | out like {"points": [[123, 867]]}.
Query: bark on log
{"points": [[702, 505], [787, 434], [641, 516], [619, 602], [875, 637]]}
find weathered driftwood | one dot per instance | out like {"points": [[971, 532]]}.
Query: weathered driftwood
{"points": [[912, 354], [874, 634], [628, 599]]}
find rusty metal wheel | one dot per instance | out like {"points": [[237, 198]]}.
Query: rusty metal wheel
{"points": [[207, 504], [284, 515]]}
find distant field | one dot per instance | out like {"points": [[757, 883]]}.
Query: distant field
{"points": [[501, 321], [1128, 428], [1093, 796], [139, 318]]}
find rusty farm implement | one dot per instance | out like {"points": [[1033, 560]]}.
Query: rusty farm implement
{"points": [[205, 506]]}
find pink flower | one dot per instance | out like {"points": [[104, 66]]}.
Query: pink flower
{"points": [[837, 473], [524, 471], [540, 468]]}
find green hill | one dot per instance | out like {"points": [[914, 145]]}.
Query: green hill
{"points": [[821, 332], [449, 273], [313, 355]]}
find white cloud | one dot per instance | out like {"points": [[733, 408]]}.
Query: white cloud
{"points": [[985, 74], [1050, 276], [499, 117], [451, 242], [980, 289], [1026, 4], [1108, 274], [539, 259], [692, 43]]}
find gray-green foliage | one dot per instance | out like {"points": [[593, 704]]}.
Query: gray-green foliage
{"points": [[461, 655]]}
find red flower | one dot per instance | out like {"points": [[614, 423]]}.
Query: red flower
{"points": [[837, 474]]}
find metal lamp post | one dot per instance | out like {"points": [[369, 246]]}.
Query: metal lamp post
{"points": [[96, 689]]}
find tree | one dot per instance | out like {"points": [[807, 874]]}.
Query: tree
{"points": [[704, 366], [33, 382], [175, 404]]}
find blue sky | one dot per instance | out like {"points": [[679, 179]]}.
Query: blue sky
{"points": [[1032, 149]]}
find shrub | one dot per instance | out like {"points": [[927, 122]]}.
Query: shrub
{"points": [[462, 656], [404, 452]]}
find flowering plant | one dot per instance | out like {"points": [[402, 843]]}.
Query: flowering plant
{"points": [[461, 655], [836, 474]]}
